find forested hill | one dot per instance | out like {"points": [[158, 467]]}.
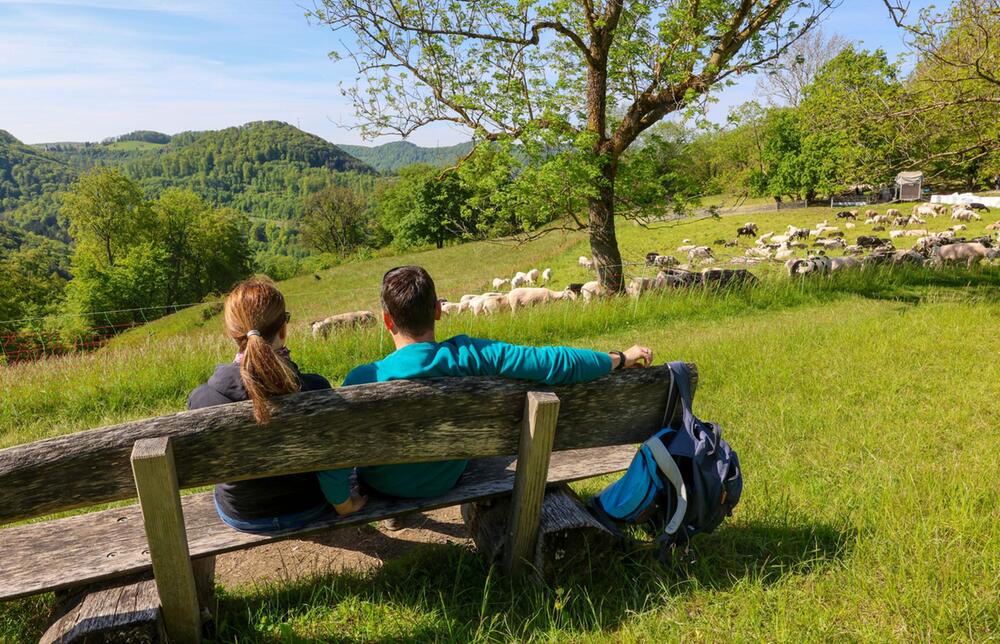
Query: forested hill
{"points": [[27, 173], [388, 158], [264, 168]]}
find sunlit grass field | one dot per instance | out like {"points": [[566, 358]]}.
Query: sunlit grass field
{"points": [[863, 408]]}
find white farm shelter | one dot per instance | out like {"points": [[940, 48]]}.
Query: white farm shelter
{"points": [[909, 185]]}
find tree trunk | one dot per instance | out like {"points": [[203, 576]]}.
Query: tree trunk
{"points": [[603, 239], [601, 216]]}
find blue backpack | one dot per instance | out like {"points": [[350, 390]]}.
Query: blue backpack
{"points": [[684, 480]]}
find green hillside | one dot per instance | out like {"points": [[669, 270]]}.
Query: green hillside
{"points": [[850, 528], [388, 158], [27, 173], [264, 168]]}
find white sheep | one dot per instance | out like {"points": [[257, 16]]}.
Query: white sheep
{"points": [[850, 225], [529, 296], [586, 263], [959, 227], [892, 213], [546, 276], [591, 290], [447, 308], [686, 248], [518, 281], [500, 282], [895, 234], [843, 263], [531, 276], [489, 303], [971, 253], [355, 319], [700, 252], [965, 214]]}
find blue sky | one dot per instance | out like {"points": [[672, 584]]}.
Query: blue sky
{"points": [[82, 70]]}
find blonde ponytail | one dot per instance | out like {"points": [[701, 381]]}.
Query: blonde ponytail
{"points": [[254, 316]]}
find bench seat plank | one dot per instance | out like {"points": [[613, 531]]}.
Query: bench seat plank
{"points": [[87, 548]]}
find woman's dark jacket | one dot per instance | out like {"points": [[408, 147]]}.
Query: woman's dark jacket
{"points": [[268, 497]]}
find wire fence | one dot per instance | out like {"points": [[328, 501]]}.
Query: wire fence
{"points": [[33, 344], [33, 338]]}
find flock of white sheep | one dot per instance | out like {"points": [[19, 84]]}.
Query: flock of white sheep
{"points": [[527, 288]]}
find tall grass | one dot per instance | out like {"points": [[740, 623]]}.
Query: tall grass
{"points": [[862, 407], [136, 380]]}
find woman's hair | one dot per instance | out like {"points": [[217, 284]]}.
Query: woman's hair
{"points": [[254, 315]]}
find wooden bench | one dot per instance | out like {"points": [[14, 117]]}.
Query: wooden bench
{"points": [[177, 537]]}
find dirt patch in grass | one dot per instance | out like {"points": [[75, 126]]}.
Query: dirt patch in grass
{"points": [[356, 549]]}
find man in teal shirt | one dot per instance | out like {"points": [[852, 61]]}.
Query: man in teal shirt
{"points": [[410, 308]]}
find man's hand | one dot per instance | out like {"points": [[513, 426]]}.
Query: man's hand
{"points": [[638, 357], [351, 505], [635, 357]]}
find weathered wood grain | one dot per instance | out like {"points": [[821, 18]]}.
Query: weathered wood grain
{"points": [[103, 545], [541, 409], [408, 421], [129, 608], [568, 536], [163, 520]]}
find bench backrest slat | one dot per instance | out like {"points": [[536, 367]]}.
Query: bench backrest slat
{"points": [[397, 422]]}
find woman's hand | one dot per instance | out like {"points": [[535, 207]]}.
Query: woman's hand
{"points": [[351, 505], [638, 357]]}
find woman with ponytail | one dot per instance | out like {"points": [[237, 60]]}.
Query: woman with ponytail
{"points": [[256, 320]]}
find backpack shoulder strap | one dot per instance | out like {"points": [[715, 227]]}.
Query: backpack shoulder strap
{"points": [[681, 379], [669, 468]]}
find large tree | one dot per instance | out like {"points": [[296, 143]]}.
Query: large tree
{"points": [[590, 73], [951, 108]]}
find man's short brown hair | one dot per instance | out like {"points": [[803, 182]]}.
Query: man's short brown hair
{"points": [[409, 297]]}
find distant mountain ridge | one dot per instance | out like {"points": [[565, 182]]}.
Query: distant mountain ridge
{"points": [[388, 158]]}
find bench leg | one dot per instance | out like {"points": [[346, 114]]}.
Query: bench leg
{"points": [[159, 497], [540, 412]]}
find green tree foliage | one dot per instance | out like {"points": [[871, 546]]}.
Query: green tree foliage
{"points": [[33, 274], [950, 117], [844, 144], [388, 158], [143, 136], [336, 221], [424, 205], [266, 169], [557, 72], [658, 173], [133, 259], [27, 173]]}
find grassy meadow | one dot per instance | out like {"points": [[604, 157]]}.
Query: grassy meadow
{"points": [[862, 408]]}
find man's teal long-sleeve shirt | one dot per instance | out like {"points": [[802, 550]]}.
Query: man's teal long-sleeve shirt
{"points": [[458, 356]]}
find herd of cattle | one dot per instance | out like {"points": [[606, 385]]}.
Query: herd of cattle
{"points": [[929, 249]]}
